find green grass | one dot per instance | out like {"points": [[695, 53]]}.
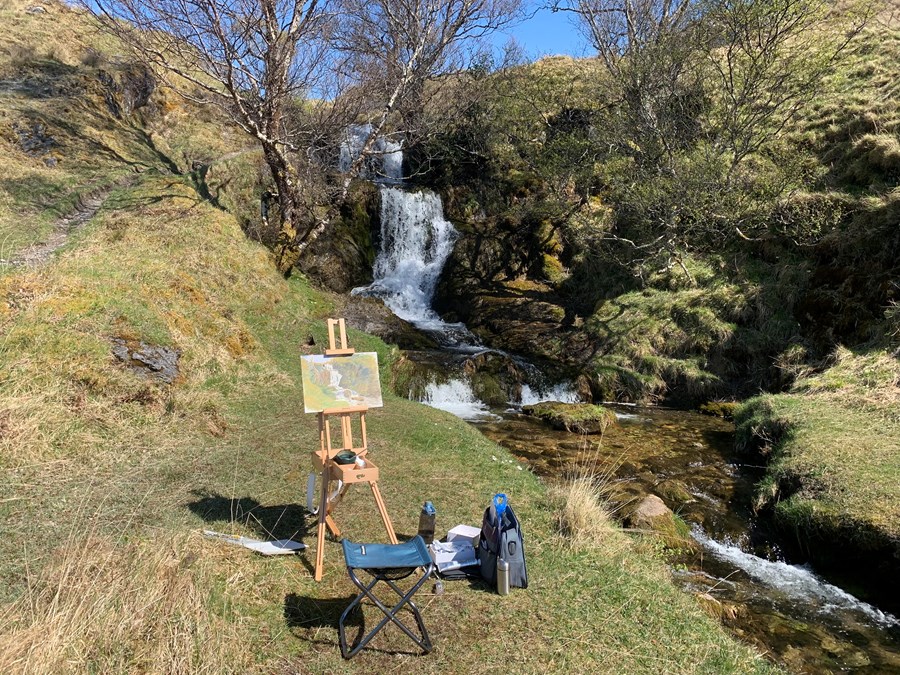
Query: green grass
{"points": [[832, 446], [108, 478]]}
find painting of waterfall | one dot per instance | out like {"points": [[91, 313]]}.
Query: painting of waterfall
{"points": [[340, 381]]}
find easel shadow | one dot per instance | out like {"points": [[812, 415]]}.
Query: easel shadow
{"points": [[280, 521]]}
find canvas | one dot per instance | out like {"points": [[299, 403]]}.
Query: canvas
{"points": [[340, 381]]}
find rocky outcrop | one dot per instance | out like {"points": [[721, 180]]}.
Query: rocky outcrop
{"points": [[127, 89], [150, 361], [342, 259]]}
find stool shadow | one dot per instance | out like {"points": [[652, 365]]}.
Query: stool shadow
{"points": [[308, 613]]}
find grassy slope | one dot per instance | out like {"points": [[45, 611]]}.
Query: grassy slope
{"points": [[107, 478], [835, 437], [835, 465]]}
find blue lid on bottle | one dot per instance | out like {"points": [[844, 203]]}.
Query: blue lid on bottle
{"points": [[428, 508]]}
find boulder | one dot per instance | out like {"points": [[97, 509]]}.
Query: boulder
{"points": [[150, 361], [652, 515]]}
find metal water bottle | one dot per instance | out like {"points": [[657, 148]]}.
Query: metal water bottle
{"points": [[502, 577], [426, 522]]}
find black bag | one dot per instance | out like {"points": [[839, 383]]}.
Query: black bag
{"points": [[503, 542]]}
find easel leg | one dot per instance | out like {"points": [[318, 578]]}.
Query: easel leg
{"points": [[382, 509], [323, 515]]}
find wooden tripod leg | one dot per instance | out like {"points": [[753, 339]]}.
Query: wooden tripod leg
{"points": [[332, 526], [323, 515], [382, 509]]}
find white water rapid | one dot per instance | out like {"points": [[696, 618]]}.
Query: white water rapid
{"points": [[794, 581], [564, 392], [456, 397]]}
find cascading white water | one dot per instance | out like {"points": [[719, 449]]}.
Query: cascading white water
{"points": [[387, 160], [456, 397], [416, 241], [564, 392], [794, 581]]}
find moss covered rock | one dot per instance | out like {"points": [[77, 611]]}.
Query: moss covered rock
{"points": [[579, 418], [652, 515]]}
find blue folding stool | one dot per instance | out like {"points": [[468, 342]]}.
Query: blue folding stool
{"points": [[387, 563]]}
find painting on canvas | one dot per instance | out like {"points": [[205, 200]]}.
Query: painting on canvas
{"points": [[340, 381]]}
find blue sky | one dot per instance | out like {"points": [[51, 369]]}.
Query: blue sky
{"points": [[546, 33]]}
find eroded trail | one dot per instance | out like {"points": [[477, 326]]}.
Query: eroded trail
{"points": [[85, 209]]}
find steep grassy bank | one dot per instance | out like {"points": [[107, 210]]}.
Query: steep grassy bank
{"points": [[833, 467]]}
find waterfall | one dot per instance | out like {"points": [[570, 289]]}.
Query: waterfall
{"points": [[456, 397], [564, 392], [416, 241], [386, 163]]}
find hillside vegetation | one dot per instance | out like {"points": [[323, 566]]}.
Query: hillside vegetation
{"points": [[108, 473], [676, 285]]}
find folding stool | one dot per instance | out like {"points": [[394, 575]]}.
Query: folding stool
{"points": [[387, 563]]}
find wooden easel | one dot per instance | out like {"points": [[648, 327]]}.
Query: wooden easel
{"points": [[323, 459]]}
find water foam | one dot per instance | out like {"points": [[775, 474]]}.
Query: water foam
{"points": [[456, 397], [795, 581], [564, 392]]}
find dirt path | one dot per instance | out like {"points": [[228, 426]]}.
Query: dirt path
{"points": [[64, 227]]}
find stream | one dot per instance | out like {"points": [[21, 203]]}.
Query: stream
{"points": [[787, 610]]}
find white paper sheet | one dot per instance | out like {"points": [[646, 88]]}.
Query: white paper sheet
{"points": [[277, 547], [452, 555]]}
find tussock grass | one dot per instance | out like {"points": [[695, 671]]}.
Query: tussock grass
{"points": [[583, 519]]}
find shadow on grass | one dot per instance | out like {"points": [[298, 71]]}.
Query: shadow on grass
{"points": [[310, 613], [281, 521]]}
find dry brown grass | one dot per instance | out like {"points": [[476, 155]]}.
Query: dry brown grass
{"points": [[584, 518], [118, 607]]}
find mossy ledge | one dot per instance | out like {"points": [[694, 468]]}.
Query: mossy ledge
{"points": [[577, 418]]}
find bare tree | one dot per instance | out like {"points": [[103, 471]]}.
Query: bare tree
{"points": [[623, 28], [292, 73]]}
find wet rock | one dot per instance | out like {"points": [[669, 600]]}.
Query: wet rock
{"points": [[675, 492], [342, 258], [371, 316], [724, 409], [578, 418], [151, 361]]}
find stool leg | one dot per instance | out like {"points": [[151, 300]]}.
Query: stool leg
{"points": [[390, 614]]}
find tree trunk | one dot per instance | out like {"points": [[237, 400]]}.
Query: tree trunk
{"points": [[290, 232]]}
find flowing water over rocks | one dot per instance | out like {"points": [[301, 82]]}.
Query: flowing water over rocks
{"points": [[686, 459], [689, 461]]}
